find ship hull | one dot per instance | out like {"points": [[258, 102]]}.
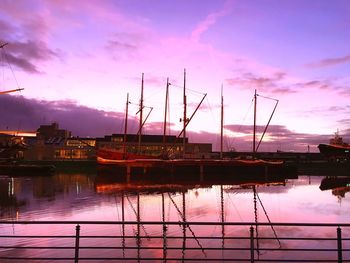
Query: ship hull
{"points": [[334, 150], [116, 157]]}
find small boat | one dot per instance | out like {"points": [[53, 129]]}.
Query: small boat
{"points": [[336, 149]]}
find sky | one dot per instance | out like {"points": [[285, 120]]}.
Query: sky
{"points": [[77, 60]]}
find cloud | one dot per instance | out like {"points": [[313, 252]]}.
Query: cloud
{"points": [[123, 45], [5, 28], [277, 137], [325, 85], [328, 62], [28, 114], [24, 55], [209, 21], [272, 83], [19, 113]]}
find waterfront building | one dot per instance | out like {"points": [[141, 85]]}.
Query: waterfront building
{"points": [[53, 143]]}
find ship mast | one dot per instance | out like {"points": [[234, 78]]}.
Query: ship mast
{"points": [[125, 126], [165, 115], [184, 118], [141, 117], [254, 127], [222, 124]]}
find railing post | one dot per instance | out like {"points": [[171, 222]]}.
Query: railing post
{"points": [[77, 236], [339, 242], [251, 244]]}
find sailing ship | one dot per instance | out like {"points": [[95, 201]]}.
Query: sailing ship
{"points": [[255, 162], [122, 155], [336, 149]]}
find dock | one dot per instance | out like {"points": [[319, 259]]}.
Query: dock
{"points": [[202, 167]]}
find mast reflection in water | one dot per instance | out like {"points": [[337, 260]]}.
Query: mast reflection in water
{"points": [[66, 197]]}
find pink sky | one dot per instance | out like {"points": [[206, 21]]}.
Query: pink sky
{"points": [[87, 55]]}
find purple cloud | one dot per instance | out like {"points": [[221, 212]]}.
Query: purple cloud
{"points": [[24, 55], [28, 114], [328, 62], [270, 83], [210, 20], [19, 113]]}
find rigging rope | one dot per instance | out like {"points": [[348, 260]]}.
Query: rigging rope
{"points": [[243, 121], [8, 63]]}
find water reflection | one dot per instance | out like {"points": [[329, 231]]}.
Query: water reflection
{"points": [[111, 197], [99, 196], [339, 185]]}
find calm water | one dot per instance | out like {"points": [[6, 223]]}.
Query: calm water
{"points": [[83, 196]]}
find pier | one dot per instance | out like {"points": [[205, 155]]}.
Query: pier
{"points": [[203, 167]]}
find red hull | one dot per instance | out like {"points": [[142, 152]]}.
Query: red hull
{"points": [[119, 156]]}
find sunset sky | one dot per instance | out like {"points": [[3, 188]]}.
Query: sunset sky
{"points": [[77, 60]]}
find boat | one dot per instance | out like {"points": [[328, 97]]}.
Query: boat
{"points": [[121, 155], [253, 161], [152, 164], [337, 149]]}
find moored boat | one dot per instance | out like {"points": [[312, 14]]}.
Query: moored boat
{"points": [[125, 150], [336, 149]]}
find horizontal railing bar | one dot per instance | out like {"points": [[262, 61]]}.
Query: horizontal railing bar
{"points": [[168, 248], [131, 248], [218, 238], [138, 259], [298, 260], [36, 236], [215, 248], [176, 223], [184, 259], [216, 259], [181, 237], [33, 247], [28, 258], [175, 248]]}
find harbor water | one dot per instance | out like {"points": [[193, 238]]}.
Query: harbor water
{"points": [[94, 196]]}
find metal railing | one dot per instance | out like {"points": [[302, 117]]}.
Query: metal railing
{"points": [[78, 241]]}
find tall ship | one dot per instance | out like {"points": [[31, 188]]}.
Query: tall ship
{"points": [[336, 148], [139, 146]]}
